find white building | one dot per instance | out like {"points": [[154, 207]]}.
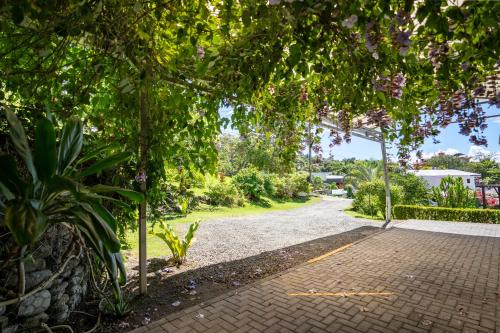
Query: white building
{"points": [[433, 177]]}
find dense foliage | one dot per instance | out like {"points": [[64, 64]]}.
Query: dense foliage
{"points": [[224, 193], [49, 188], [370, 197], [404, 212], [452, 193]]}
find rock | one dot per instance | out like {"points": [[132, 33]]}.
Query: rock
{"points": [[63, 300], [2, 308], [58, 289], [34, 304], [79, 271], [3, 322], [34, 265], [60, 313], [36, 321], [10, 329], [33, 279], [76, 280], [74, 300]]}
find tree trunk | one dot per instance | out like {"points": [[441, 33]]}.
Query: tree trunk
{"points": [[143, 156]]}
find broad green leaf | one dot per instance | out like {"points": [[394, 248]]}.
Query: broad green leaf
{"points": [[9, 175], [104, 215], [132, 195], [45, 149], [20, 142], [105, 163], [25, 222], [90, 155], [104, 230], [70, 145]]}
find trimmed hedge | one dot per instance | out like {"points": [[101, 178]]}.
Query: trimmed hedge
{"points": [[405, 212]]}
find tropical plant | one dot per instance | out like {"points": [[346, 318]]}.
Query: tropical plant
{"points": [[317, 183], [452, 193], [364, 171], [52, 192], [177, 247], [349, 192], [250, 182], [224, 193], [371, 197], [414, 188]]}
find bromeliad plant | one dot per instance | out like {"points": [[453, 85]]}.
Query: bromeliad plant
{"points": [[52, 192], [178, 248]]}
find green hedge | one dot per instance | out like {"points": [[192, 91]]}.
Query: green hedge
{"points": [[404, 212]]}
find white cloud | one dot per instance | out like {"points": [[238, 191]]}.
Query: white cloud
{"points": [[496, 120], [476, 153]]}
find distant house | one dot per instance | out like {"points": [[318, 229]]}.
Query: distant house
{"points": [[328, 178], [433, 177]]}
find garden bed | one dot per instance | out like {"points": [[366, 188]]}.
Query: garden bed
{"points": [[169, 285]]}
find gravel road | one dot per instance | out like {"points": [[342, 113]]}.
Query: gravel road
{"points": [[227, 239]]}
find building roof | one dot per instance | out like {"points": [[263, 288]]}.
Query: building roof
{"points": [[443, 173]]}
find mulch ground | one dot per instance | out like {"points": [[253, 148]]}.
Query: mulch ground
{"points": [[171, 289]]}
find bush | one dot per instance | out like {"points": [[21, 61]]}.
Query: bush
{"points": [[404, 212], [452, 193], [415, 191], [269, 181], [349, 192], [299, 183], [289, 186], [317, 183], [224, 194], [333, 186], [250, 182], [370, 197]]}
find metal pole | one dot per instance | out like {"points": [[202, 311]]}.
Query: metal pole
{"points": [[483, 193], [387, 187]]}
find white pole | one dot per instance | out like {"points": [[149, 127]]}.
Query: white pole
{"points": [[387, 186]]}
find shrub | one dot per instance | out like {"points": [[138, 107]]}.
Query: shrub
{"points": [[299, 183], [224, 194], [333, 186], [317, 183], [404, 212], [349, 191], [269, 181], [283, 189], [178, 248], [414, 188], [250, 182], [452, 193], [370, 197], [289, 186]]}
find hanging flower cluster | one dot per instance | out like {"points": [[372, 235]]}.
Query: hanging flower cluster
{"points": [[391, 86]]}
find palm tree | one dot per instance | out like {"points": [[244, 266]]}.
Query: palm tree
{"points": [[364, 171]]}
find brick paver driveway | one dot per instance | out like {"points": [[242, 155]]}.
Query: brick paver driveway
{"points": [[400, 280]]}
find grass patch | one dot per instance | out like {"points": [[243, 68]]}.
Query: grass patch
{"points": [[351, 212], [157, 248]]}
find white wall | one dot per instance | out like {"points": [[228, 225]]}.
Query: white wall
{"points": [[436, 180]]}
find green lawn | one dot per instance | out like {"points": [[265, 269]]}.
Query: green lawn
{"points": [[353, 213], [156, 247]]}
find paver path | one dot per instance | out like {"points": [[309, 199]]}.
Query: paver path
{"points": [[233, 238], [462, 228], [416, 281]]}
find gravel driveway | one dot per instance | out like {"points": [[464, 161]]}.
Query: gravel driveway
{"points": [[227, 239]]}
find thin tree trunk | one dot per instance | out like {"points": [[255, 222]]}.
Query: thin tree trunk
{"points": [[144, 147]]}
